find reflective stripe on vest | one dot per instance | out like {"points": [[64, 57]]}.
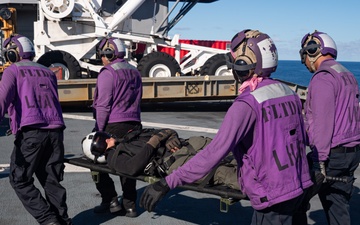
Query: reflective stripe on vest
{"points": [[271, 91]]}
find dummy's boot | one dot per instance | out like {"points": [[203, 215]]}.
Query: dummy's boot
{"points": [[66, 221], [113, 206], [131, 213], [53, 223]]}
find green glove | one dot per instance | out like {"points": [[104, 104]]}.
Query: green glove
{"points": [[159, 137], [173, 143]]}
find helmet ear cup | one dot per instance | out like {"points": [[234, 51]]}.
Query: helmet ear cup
{"points": [[11, 55], [106, 49], [109, 53], [313, 48], [246, 64]]}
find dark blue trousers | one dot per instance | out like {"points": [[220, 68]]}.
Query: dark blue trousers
{"points": [[334, 195], [106, 185], [40, 152], [279, 214]]}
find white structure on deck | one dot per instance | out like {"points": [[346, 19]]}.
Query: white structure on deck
{"points": [[66, 34]]}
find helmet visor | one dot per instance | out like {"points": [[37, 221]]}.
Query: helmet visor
{"points": [[99, 145]]}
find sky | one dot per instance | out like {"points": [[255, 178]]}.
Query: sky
{"points": [[286, 22]]}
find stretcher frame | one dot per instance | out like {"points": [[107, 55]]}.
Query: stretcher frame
{"points": [[228, 196]]}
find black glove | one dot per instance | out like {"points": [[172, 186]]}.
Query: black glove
{"points": [[153, 194], [162, 135], [173, 143], [319, 172], [318, 177], [317, 169]]}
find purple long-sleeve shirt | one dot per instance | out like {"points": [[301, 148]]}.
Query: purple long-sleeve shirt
{"points": [[322, 113], [28, 93], [104, 100], [332, 109], [238, 121], [264, 130], [118, 94]]}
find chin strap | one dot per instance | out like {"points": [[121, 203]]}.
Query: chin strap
{"points": [[312, 62]]}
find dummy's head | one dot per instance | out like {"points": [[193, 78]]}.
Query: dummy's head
{"points": [[252, 52], [111, 48], [315, 45], [94, 146], [18, 47]]}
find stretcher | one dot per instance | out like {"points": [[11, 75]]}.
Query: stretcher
{"points": [[228, 196]]}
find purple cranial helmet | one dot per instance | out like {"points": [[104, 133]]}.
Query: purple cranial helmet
{"points": [[111, 48], [18, 47], [252, 51], [316, 43]]}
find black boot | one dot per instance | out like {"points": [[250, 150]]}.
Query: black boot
{"points": [[113, 206], [130, 210], [53, 223], [131, 213], [66, 221]]}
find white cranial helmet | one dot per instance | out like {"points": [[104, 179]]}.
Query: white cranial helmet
{"points": [[86, 147]]}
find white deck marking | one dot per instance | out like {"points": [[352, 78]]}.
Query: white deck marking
{"points": [[69, 168], [4, 168], [149, 124]]}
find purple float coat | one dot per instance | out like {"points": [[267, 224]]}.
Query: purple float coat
{"points": [[117, 94], [28, 92], [332, 109], [270, 154]]}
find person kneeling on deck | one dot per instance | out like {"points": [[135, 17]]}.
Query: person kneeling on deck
{"points": [[263, 128]]}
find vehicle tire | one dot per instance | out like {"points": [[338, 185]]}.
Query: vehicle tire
{"points": [[70, 66], [215, 66], [158, 64]]}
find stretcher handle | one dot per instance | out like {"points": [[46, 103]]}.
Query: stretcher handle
{"points": [[340, 179]]}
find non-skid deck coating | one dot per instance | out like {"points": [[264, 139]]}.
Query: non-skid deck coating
{"points": [[179, 207]]}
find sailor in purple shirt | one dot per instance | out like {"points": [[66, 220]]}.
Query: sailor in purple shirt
{"points": [[117, 99], [263, 128], [332, 123], [28, 93]]}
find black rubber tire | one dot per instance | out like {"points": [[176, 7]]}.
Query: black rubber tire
{"points": [[64, 58], [153, 59], [213, 64]]}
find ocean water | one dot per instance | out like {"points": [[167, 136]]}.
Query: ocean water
{"points": [[295, 72]]}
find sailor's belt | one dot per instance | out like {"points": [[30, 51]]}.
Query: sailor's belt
{"points": [[342, 149]]}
